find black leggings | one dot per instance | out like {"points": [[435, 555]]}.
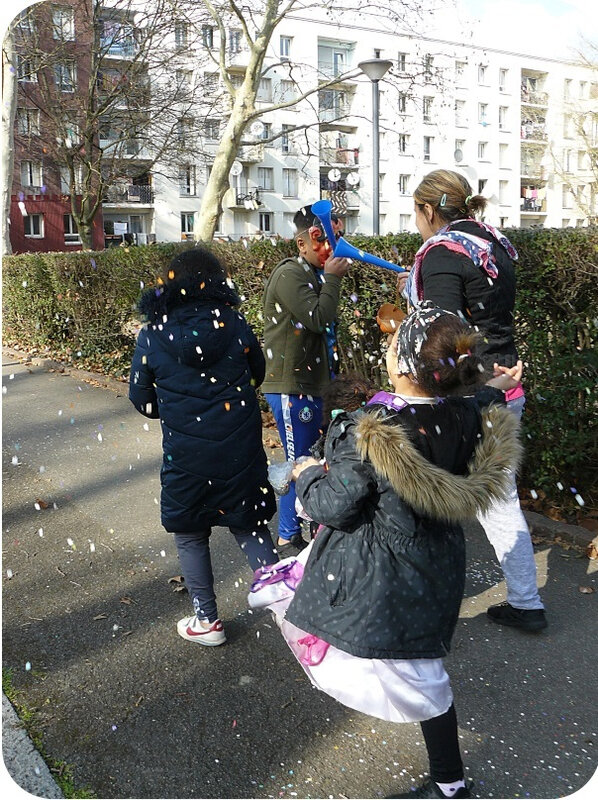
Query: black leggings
{"points": [[442, 743]]}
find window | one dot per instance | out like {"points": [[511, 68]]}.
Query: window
{"points": [[567, 89], [428, 68], [265, 222], [581, 160], [482, 70], [503, 155], [289, 182], [207, 36], [210, 80], [184, 128], [404, 220], [235, 40], [187, 180], [34, 226], [181, 34], [71, 234], [285, 48], [338, 62], [460, 116], [482, 149], [502, 117], [264, 92], [266, 130], [28, 121], [63, 23], [482, 113], [567, 196], [64, 75], [460, 67], [265, 177], [482, 185], [288, 91], [25, 21], [402, 104], [402, 142], [211, 128], [402, 62], [65, 179], [187, 220], [285, 139], [184, 79], [583, 90], [503, 192], [502, 79], [404, 184], [568, 160], [428, 147], [427, 108], [27, 67], [567, 126], [31, 174]]}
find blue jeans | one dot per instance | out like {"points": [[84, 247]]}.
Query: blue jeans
{"points": [[299, 422], [196, 563], [507, 531]]}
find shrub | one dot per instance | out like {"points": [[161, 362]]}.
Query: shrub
{"points": [[80, 307]]}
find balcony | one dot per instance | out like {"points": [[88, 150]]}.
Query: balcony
{"points": [[531, 169], [342, 200], [112, 48], [129, 193], [250, 153], [534, 131], [339, 155], [533, 206], [533, 97]]}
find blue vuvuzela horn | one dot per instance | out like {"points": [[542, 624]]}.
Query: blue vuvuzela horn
{"points": [[341, 247]]}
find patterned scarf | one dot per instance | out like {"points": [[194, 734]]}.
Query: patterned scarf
{"points": [[478, 250], [412, 334]]}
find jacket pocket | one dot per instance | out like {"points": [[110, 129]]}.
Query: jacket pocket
{"points": [[333, 574]]}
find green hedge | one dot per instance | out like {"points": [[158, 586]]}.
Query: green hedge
{"points": [[79, 307]]}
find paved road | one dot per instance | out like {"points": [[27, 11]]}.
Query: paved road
{"points": [[89, 637]]}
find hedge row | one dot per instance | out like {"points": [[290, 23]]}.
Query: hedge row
{"points": [[79, 307]]}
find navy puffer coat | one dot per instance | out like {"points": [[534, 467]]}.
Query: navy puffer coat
{"points": [[195, 367]]}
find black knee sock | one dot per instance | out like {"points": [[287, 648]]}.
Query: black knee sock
{"points": [[440, 734]]}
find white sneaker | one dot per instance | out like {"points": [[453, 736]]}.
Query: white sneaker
{"points": [[201, 631]]}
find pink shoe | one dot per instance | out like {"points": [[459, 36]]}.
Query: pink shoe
{"points": [[201, 631]]}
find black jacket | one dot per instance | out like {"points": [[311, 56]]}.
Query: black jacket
{"points": [[385, 576], [195, 366], [453, 282]]}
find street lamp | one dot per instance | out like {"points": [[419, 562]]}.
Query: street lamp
{"points": [[375, 69]]}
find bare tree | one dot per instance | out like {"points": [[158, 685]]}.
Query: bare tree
{"points": [[112, 100], [577, 166], [255, 23]]}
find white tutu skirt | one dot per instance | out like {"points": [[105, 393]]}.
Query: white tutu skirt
{"points": [[396, 690]]}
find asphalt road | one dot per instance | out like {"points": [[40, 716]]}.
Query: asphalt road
{"points": [[90, 640]]}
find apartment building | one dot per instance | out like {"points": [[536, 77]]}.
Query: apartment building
{"points": [[510, 122]]}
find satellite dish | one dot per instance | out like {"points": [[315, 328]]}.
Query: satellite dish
{"points": [[458, 155], [236, 168], [334, 175], [257, 128], [353, 178]]}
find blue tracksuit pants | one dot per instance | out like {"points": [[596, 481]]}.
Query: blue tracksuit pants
{"points": [[299, 422]]}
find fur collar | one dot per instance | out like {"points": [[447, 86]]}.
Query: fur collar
{"points": [[160, 300], [433, 491]]}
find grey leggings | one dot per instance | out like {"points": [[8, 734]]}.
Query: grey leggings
{"points": [[196, 563]]}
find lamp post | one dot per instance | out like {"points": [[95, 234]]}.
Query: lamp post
{"points": [[375, 69]]}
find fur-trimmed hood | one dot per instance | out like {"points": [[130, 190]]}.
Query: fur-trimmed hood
{"points": [[431, 490]]}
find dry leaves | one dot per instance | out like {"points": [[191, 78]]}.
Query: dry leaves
{"points": [[592, 549], [179, 583], [587, 589]]}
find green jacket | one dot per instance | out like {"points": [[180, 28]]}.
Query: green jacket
{"points": [[297, 308]]}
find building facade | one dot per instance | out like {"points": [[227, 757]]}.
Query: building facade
{"points": [[521, 128]]}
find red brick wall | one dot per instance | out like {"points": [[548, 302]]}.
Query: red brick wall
{"points": [[53, 207]]}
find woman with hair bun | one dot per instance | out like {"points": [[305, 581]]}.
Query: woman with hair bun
{"points": [[467, 267]]}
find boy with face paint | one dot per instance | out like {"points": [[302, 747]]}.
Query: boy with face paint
{"points": [[300, 305]]}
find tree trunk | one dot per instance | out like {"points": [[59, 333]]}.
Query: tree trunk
{"points": [[218, 182], [9, 110]]}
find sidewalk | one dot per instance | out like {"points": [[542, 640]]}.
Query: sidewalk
{"points": [[88, 633]]}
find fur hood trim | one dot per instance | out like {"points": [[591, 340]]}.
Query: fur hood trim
{"points": [[156, 302], [432, 491]]}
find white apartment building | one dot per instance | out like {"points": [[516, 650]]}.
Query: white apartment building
{"points": [[507, 121]]}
